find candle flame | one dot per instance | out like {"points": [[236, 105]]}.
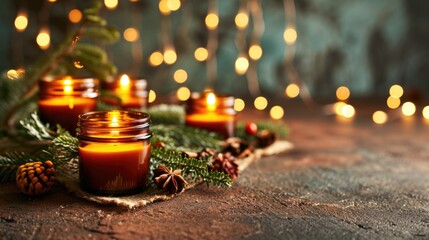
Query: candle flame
{"points": [[124, 82], [114, 122], [68, 88], [211, 101]]}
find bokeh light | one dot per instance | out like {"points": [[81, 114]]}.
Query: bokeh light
{"points": [[111, 4], [276, 112], [180, 76], [342, 93], [379, 117], [212, 21], [408, 108], [152, 96], [75, 15], [255, 52], [183, 93], [43, 39], [348, 111], [163, 7], [156, 59], [260, 103], [241, 20], [338, 107], [21, 22], [170, 56], [201, 54], [290, 35], [292, 90], [396, 91], [131, 35], [239, 104], [425, 112], [173, 5], [393, 103], [241, 65]]}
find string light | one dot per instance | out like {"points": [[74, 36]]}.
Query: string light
{"points": [[173, 5], [338, 108], [156, 59], [290, 35], [212, 21], [425, 112], [241, 20], [393, 103], [379, 117], [152, 96], [408, 108], [348, 111], [163, 7], [111, 4], [180, 76], [131, 35], [75, 15], [183, 93], [170, 56], [276, 112], [201, 54], [241, 65], [396, 91], [21, 22], [239, 104], [255, 52], [292, 90], [43, 39], [343, 93], [260, 103]]}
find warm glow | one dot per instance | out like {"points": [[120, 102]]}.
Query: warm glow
{"points": [[292, 90], [348, 111], [170, 56], [343, 93], [152, 96], [78, 64], [21, 22], [241, 65], [290, 35], [43, 39], [277, 112], [239, 104], [211, 101], [212, 20], [241, 20], [408, 108], [75, 15], [338, 107], [156, 59], [183, 93], [68, 88], [260, 103], [131, 34], [201, 54], [124, 81], [114, 122], [163, 7], [173, 5], [111, 4], [13, 74], [425, 112], [396, 91], [379, 117], [393, 103], [180, 76], [255, 52], [52, 1]]}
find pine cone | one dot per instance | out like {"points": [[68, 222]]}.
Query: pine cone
{"points": [[224, 162], [265, 138], [237, 147], [206, 152], [35, 178], [167, 179]]}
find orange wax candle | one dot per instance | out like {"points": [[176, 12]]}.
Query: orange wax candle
{"points": [[211, 112], [61, 101], [132, 92], [114, 152]]}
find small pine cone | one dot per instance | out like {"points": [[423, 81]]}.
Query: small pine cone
{"points": [[206, 152], [265, 138], [167, 179], [237, 147], [224, 162], [35, 178]]}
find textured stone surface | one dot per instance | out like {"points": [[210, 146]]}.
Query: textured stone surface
{"points": [[342, 181]]}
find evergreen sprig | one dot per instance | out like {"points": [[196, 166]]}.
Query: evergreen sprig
{"points": [[33, 127], [278, 127], [167, 114], [10, 161]]}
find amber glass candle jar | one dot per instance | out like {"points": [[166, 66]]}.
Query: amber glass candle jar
{"points": [[132, 92], [62, 100], [211, 112], [114, 151]]}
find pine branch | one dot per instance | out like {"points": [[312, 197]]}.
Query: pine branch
{"points": [[194, 168], [62, 149], [280, 128], [34, 128], [167, 114], [9, 163]]}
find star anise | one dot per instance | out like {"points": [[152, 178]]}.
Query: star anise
{"points": [[168, 179], [224, 162]]}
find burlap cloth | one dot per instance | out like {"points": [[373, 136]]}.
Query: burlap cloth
{"points": [[69, 177]]}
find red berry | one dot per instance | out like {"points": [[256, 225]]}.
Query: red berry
{"points": [[251, 128]]}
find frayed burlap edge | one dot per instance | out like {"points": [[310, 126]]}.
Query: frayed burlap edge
{"points": [[70, 179]]}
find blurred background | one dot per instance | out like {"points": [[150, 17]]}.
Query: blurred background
{"points": [[261, 47]]}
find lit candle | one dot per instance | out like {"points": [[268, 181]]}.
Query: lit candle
{"points": [[61, 101], [114, 152], [211, 112], [132, 92]]}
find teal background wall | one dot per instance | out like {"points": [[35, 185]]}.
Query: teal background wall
{"points": [[366, 45]]}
